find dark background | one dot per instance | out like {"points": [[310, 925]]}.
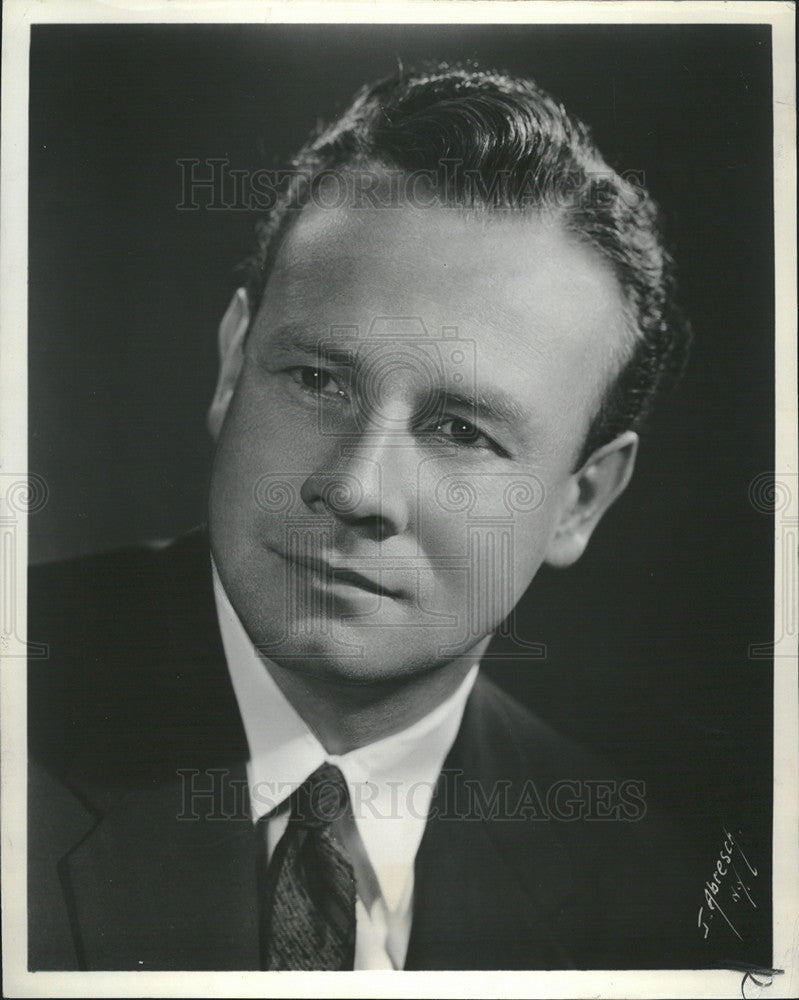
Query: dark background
{"points": [[648, 637]]}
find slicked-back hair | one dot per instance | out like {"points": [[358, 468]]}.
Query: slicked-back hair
{"points": [[488, 142]]}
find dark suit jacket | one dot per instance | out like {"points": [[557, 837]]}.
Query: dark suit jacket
{"points": [[134, 704]]}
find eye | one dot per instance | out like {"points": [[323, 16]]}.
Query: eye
{"points": [[464, 432], [317, 381]]}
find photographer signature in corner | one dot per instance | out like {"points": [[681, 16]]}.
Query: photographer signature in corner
{"points": [[729, 886]]}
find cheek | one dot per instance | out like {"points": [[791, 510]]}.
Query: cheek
{"points": [[260, 449], [485, 541], [531, 536], [535, 526]]}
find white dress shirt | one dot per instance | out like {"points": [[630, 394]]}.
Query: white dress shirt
{"points": [[391, 783]]}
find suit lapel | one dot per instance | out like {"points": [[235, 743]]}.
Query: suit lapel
{"points": [[165, 881], [486, 888]]}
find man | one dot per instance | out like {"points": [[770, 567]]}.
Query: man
{"points": [[269, 746]]}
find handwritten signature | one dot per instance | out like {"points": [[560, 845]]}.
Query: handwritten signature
{"points": [[728, 885]]}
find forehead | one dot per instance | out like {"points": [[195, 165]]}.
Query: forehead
{"points": [[543, 311]]}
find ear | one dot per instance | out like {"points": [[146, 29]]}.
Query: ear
{"points": [[589, 493], [232, 331]]}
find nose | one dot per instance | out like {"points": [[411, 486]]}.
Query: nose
{"points": [[367, 485]]}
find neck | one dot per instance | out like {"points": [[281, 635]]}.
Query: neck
{"points": [[344, 716]]}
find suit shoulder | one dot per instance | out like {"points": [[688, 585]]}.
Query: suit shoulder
{"points": [[132, 653], [105, 576], [92, 595], [90, 591]]}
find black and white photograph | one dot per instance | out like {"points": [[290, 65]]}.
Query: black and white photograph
{"points": [[399, 506]]}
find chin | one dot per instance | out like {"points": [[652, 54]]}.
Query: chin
{"points": [[347, 656]]}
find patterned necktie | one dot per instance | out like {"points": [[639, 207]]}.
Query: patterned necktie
{"points": [[308, 919]]}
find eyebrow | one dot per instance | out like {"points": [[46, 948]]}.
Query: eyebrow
{"points": [[492, 404], [296, 337], [488, 403]]}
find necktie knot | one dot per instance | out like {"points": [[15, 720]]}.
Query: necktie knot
{"points": [[321, 799]]}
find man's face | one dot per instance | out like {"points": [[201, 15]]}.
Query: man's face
{"points": [[397, 454]]}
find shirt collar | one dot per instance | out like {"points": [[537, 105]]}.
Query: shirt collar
{"points": [[391, 781]]}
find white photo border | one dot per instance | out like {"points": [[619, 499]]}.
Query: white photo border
{"points": [[18, 17]]}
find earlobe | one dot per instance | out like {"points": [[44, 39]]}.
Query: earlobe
{"points": [[590, 492], [232, 332]]}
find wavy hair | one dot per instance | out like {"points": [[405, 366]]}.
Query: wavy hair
{"points": [[490, 142]]}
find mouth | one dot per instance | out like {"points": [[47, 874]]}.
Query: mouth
{"points": [[332, 575]]}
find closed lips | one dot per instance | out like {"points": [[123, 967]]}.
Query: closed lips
{"points": [[340, 574]]}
